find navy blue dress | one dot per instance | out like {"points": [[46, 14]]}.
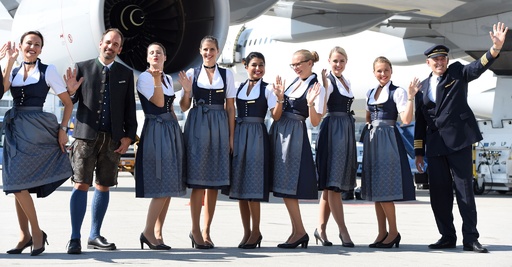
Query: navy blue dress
{"points": [[160, 159], [386, 174], [250, 165], [32, 158]]}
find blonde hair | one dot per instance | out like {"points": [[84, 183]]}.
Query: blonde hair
{"points": [[308, 55], [382, 59], [338, 50]]}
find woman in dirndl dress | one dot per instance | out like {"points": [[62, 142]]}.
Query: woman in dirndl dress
{"points": [[336, 159], [250, 167], [159, 165], [386, 175], [208, 135], [35, 158], [294, 173]]}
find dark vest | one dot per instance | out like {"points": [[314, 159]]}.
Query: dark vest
{"points": [[298, 105], [386, 110], [338, 102], [32, 95], [209, 96], [253, 107]]}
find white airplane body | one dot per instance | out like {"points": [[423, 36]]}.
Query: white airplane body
{"points": [[72, 31]]}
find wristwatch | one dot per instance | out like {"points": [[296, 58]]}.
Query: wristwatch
{"points": [[64, 128]]}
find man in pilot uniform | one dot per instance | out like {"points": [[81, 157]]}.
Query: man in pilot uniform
{"points": [[446, 128]]}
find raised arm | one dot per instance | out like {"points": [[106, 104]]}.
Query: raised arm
{"points": [[186, 82]]}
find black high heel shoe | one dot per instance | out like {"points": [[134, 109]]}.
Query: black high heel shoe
{"points": [[303, 241], [374, 244], [253, 246], [346, 244], [144, 240], [40, 250], [19, 250], [395, 242], [324, 243], [194, 243]]}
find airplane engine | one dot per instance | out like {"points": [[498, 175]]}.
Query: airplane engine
{"points": [[72, 29]]}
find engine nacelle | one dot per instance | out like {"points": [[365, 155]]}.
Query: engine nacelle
{"points": [[72, 29]]}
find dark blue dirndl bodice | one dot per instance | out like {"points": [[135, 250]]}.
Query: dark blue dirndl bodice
{"points": [[386, 110], [253, 107], [338, 102], [299, 105]]}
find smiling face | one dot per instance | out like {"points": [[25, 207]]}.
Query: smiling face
{"points": [[302, 67], [156, 56], [382, 71], [337, 62], [438, 64], [255, 68], [31, 47], [110, 47], [209, 52]]}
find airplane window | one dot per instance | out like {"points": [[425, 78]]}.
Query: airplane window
{"points": [[265, 40], [245, 43], [250, 42], [260, 41]]}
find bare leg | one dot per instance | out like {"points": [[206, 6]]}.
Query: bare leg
{"points": [[325, 212], [294, 211], [337, 213], [254, 207], [245, 214], [210, 203], [196, 204], [27, 205], [381, 221], [160, 221], [389, 210], [23, 222], [154, 210]]}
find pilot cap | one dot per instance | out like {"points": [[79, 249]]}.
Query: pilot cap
{"points": [[437, 50]]}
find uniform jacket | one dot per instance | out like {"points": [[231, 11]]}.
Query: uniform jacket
{"points": [[448, 125], [90, 95]]}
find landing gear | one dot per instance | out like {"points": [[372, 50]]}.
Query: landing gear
{"points": [[478, 189]]}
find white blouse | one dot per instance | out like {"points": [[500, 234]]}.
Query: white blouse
{"points": [[204, 82], [145, 85], [51, 75], [255, 93], [399, 97], [297, 89], [341, 88]]}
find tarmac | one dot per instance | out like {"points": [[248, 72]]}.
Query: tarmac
{"points": [[126, 215]]}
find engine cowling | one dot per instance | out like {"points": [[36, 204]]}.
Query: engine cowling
{"points": [[73, 28]]}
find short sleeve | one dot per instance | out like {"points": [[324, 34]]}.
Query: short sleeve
{"points": [[54, 80], [271, 97], [320, 101], [145, 85], [230, 85], [400, 98]]}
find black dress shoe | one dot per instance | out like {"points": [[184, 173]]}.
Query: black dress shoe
{"points": [[75, 246], [100, 243], [443, 243], [476, 247], [19, 250]]}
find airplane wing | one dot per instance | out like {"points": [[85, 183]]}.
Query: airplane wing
{"points": [[463, 25]]}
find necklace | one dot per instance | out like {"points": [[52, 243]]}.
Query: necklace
{"points": [[209, 67], [30, 63], [254, 81]]}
